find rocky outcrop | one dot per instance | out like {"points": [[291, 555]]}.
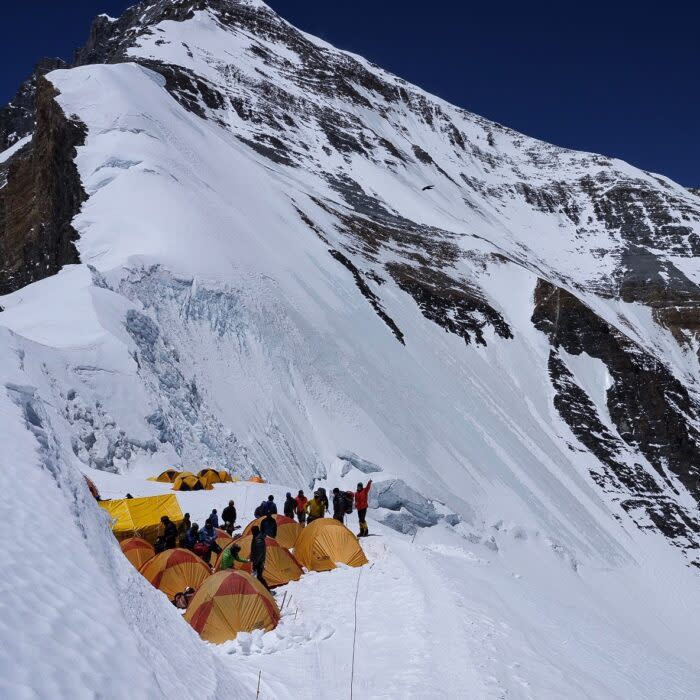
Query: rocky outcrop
{"points": [[652, 413], [42, 195], [18, 117]]}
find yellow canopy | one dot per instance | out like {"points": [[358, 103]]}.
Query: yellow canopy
{"points": [[209, 477], [191, 483], [166, 477], [140, 517], [325, 543]]}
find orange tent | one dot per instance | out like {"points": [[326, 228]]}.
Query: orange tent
{"points": [[280, 565], [167, 477], [256, 479], [231, 602], [327, 542], [223, 539], [174, 570], [137, 550], [288, 530]]}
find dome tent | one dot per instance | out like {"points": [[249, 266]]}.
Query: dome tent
{"points": [[174, 570], [209, 477], [190, 483], [230, 602], [225, 477], [280, 565], [137, 550], [223, 539], [325, 543], [288, 530], [166, 477]]}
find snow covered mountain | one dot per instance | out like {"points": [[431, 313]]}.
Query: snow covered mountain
{"points": [[224, 242]]}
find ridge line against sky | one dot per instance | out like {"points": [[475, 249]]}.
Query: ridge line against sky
{"points": [[614, 78]]}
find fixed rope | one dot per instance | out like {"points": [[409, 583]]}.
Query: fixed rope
{"points": [[354, 638]]}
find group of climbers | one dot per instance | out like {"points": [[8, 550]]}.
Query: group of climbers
{"points": [[307, 510], [201, 541]]}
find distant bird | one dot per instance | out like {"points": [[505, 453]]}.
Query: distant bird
{"points": [[428, 187]]}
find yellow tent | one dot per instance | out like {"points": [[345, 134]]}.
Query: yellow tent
{"points": [[191, 482], [288, 530], [224, 477], [231, 602], [209, 477], [174, 570], [280, 565], [140, 517], [325, 543], [166, 477], [137, 551]]}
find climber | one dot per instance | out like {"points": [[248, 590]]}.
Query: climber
{"points": [[232, 554], [289, 506], [192, 537], [268, 507], [301, 501], [323, 496], [228, 516], [315, 508], [182, 529], [214, 517], [258, 552], [338, 504], [169, 532], [268, 526], [182, 600], [207, 537], [361, 503]]}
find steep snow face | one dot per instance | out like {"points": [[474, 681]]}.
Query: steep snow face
{"points": [[78, 621]]}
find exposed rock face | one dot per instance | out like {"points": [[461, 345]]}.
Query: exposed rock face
{"points": [[652, 412], [42, 195], [18, 117]]}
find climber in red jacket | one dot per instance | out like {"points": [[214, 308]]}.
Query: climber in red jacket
{"points": [[361, 503]]}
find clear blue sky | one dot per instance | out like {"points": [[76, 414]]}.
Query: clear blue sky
{"points": [[616, 77]]}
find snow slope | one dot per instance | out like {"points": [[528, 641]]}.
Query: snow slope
{"points": [[240, 303]]}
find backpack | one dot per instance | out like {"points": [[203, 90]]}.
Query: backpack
{"points": [[201, 549], [349, 502], [258, 512]]}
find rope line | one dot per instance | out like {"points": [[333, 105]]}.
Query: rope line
{"points": [[354, 637]]}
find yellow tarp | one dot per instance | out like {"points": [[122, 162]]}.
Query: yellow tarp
{"points": [[140, 517]]}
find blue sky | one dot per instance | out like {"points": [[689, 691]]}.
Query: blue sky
{"points": [[616, 77]]}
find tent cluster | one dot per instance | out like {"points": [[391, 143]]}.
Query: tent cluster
{"points": [[220, 604]]}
